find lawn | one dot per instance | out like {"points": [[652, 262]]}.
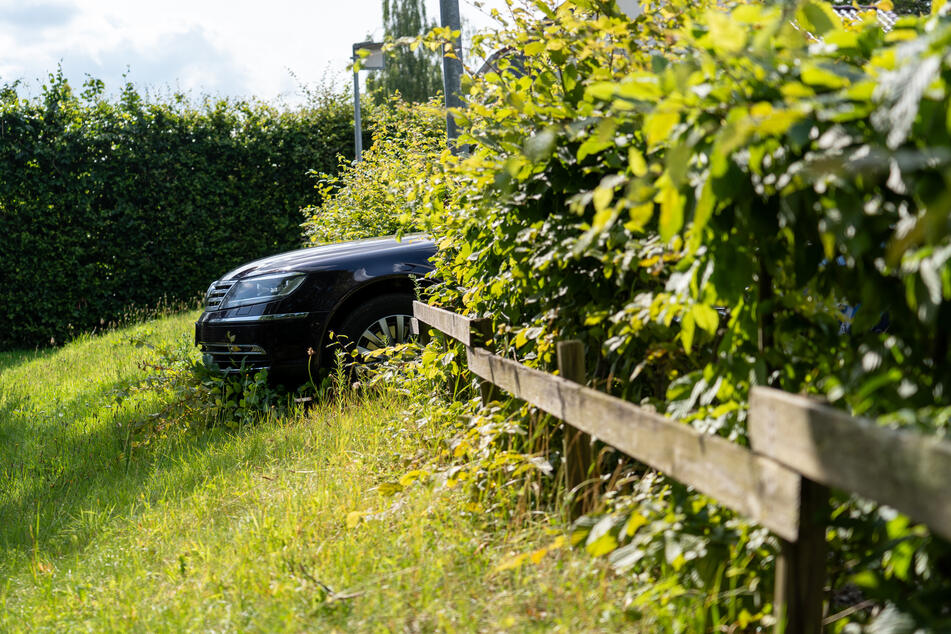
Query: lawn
{"points": [[280, 526]]}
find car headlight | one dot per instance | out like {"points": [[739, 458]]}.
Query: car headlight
{"points": [[263, 288]]}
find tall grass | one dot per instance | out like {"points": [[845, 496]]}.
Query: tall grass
{"points": [[288, 525]]}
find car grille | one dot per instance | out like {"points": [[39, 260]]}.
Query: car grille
{"points": [[233, 356], [217, 293]]}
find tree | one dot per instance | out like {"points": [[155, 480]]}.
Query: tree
{"points": [[415, 74]]}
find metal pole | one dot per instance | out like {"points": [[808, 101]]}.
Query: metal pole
{"points": [[452, 68], [357, 127]]}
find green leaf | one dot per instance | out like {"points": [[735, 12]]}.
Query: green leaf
{"points": [[353, 518], [640, 215], [601, 91], [593, 145], [706, 317], [534, 48], [701, 215], [635, 162], [823, 76], [671, 212], [639, 87], [725, 35], [687, 328], [817, 17], [601, 198], [540, 146], [388, 489], [602, 545], [658, 125]]}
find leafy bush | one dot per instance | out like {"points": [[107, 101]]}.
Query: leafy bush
{"points": [[196, 395], [107, 203], [377, 196], [704, 195]]}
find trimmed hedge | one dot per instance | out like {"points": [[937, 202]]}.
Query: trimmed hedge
{"points": [[110, 203]]}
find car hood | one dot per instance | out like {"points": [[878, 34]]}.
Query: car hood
{"points": [[334, 256]]}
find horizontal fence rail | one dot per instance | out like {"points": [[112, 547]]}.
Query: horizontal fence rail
{"points": [[760, 489], [469, 332], [907, 471], [799, 448]]}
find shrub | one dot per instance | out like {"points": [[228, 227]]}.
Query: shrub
{"points": [[377, 196], [630, 181], [198, 396]]}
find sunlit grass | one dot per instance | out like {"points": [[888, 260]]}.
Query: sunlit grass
{"points": [[283, 526]]}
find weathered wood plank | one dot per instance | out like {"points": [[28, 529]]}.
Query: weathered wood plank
{"points": [[757, 487], [470, 332], [577, 447], [908, 471], [801, 566]]}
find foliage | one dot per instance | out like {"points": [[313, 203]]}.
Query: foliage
{"points": [[377, 195], [913, 7], [705, 196], [414, 74], [201, 395], [107, 203]]}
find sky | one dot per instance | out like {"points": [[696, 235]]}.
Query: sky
{"points": [[232, 48]]}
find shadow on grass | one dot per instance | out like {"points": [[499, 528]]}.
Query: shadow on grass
{"points": [[10, 359], [63, 482]]}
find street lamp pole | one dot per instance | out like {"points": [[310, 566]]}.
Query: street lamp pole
{"points": [[372, 60], [357, 124], [452, 68]]}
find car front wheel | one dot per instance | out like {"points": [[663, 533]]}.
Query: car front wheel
{"points": [[379, 323]]}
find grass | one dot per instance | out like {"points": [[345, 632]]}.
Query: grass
{"points": [[283, 526]]}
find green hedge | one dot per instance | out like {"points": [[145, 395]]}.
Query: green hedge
{"points": [[108, 203]]}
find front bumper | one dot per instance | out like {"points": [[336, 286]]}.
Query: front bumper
{"points": [[278, 342]]}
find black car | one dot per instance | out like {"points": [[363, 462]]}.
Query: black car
{"points": [[270, 313]]}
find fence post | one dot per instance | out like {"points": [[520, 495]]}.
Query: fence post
{"points": [[480, 335], [801, 566], [577, 447]]}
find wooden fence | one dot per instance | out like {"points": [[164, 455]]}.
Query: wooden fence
{"points": [[799, 448]]}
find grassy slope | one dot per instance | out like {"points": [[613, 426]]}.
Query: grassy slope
{"points": [[279, 527]]}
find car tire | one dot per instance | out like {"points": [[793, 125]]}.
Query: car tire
{"points": [[380, 322]]}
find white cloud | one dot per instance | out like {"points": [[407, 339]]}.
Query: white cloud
{"points": [[38, 16], [227, 47]]}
